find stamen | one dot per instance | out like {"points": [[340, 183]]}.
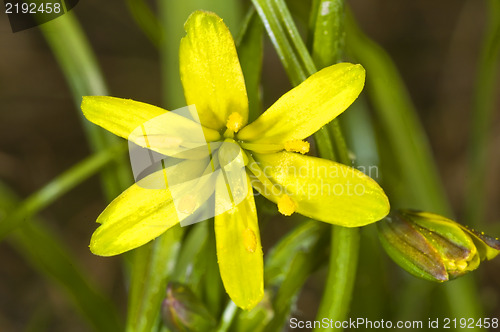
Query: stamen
{"points": [[234, 122], [286, 206], [297, 145]]}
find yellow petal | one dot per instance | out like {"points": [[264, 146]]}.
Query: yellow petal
{"points": [[306, 108], [239, 250], [123, 116], [321, 189], [132, 219], [211, 72]]}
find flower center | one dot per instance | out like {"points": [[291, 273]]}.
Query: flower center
{"points": [[286, 206], [234, 122]]}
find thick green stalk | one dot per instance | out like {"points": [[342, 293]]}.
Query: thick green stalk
{"points": [[482, 117], [410, 150]]}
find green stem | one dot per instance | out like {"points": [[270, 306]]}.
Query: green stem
{"points": [[59, 186], [482, 117]]}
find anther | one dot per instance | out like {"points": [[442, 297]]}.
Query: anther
{"points": [[286, 206], [234, 122], [297, 145]]}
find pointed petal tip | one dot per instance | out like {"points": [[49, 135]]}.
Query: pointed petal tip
{"points": [[210, 70]]}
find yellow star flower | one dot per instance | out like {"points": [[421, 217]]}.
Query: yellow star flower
{"points": [[272, 149]]}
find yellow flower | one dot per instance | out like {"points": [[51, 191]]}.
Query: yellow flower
{"points": [[272, 148]]}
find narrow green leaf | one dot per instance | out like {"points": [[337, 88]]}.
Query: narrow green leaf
{"points": [[336, 300], [50, 258], [329, 32], [59, 186], [273, 21], [193, 257], [77, 61], [155, 263], [228, 315], [483, 112], [289, 264], [146, 20]]}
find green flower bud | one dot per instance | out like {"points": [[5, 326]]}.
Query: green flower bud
{"points": [[433, 247], [183, 312]]}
